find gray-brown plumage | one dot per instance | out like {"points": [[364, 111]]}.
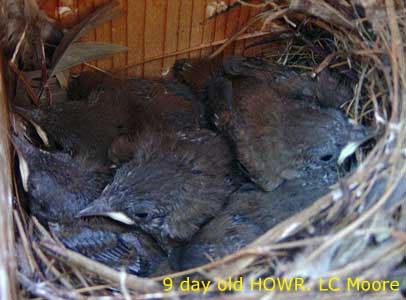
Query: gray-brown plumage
{"points": [[273, 135], [227, 233], [249, 214], [111, 243], [326, 89], [174, 183], [57, 185], [117, 108], [80, 127], [82, 85]]}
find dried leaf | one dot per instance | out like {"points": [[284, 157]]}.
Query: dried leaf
{"points": [[79, 53], [322, 10], [349, 150], [62, 79], [215, 8], [100, 16]]}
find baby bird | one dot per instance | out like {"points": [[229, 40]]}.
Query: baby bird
{"points": [[113, 244], [249, 214], [119, 107], [326, 89], [84, 128], [82, 85], [231, 230], [272, 134], [174, 182], [58, 186]]}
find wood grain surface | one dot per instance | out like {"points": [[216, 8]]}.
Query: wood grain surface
{"points": [[156, 32]]}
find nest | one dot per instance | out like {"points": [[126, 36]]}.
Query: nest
{"points": [[358, 230]]}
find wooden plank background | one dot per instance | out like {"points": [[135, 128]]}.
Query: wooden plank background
{"points": [[155, 30]]}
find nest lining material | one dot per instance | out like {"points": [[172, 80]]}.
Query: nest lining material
{"points": [[357, 230]]}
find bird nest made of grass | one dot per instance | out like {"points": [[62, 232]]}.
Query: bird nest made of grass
{"points": [[357, 231]]}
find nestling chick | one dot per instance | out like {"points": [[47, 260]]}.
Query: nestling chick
{"points": [[249, 214], [272, 134], [58, 186], [173, 184], [196, 72], [82, 85], [172, 113], [113, 244], [231, 230], [90, 126], [326, 89], [81, 128]]}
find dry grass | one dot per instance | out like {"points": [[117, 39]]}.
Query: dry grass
{"points": [[357, 230]]}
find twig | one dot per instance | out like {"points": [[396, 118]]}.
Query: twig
{"points": [[245, 3], [98, 69], [324, 64], [363, 263], [26, 244], [7, 242], [17, 49], [351, 227], [44, 71], [26, 83], [70, 257], [54, 270], [253, 251], [397, 53], [200, 47], [92, 288], [41, 228], [251, 22], [45, 290]]}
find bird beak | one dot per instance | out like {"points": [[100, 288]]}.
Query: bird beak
{"points": [[114, 215], [24, 171], [41, 133], [23, 149], [25, 114]]}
